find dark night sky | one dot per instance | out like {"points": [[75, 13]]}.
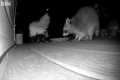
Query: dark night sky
{"points": [[30, 10]]}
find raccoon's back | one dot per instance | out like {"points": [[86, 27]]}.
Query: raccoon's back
{"points": [[85, 18]]}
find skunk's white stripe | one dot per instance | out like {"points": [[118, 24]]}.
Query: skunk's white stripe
{"points": [[39, 27]]}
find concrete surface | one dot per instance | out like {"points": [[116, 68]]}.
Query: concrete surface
{"points": [[73, 60]]}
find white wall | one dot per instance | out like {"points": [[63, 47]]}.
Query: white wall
{"points": [[6, 33]]}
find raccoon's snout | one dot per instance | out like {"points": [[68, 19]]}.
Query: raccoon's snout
{"points": [[65, 33]]}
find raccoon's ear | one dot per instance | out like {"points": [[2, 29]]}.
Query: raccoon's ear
{"points": [[68, 21]]}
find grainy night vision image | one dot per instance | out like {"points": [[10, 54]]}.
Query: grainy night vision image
{"points": [[59, 40]]}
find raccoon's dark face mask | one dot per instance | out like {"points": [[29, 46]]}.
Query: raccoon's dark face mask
{"points": [[66, 27]]}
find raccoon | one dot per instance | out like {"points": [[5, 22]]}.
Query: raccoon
{"points": [[84, 24], [69, 29]]}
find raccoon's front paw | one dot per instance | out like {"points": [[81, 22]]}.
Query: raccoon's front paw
{"points": [[70, 37], [77, 37]]}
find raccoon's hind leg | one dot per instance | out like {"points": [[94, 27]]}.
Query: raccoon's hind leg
{"points": [[90, 35], [93, 30]]}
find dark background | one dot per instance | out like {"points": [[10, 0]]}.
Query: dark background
{"points": [[31, 10]]}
